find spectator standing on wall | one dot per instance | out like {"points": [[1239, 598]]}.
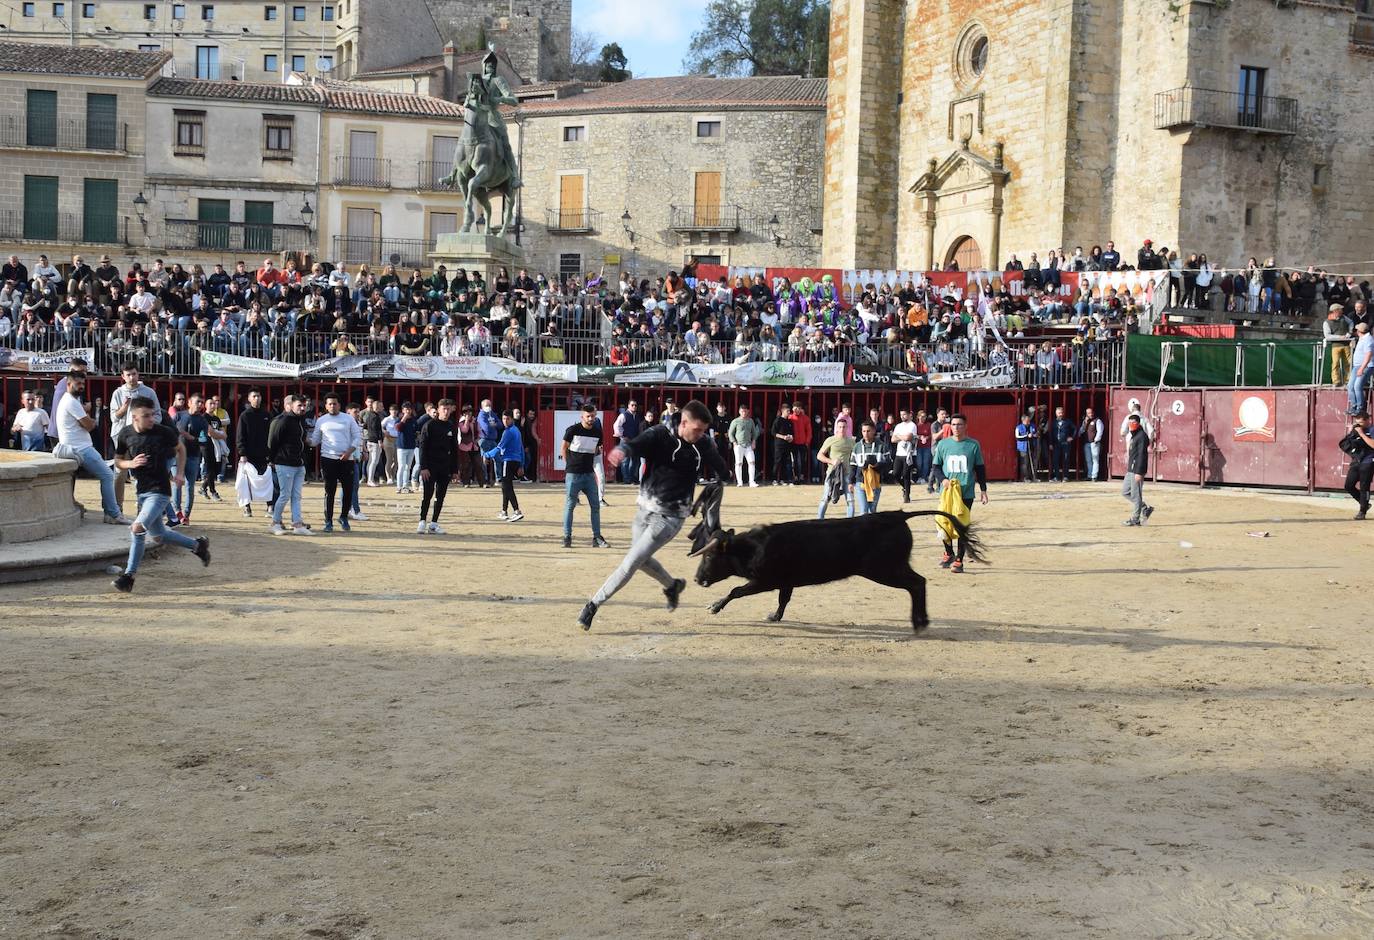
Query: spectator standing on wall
{"points": [[1336, 333]]}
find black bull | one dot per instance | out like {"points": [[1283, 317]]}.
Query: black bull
{"points": [[789, 555]]}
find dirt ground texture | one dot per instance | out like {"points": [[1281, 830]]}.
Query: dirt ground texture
{"points": [[1106, 733]]}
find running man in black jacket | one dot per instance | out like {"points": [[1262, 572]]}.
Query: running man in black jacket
{"points": [[1137, 463], [675, 463], [437, 448]]}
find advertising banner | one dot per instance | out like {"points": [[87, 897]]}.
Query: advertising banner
{"points": [[883, 377], [996, 377], [479, 369], [19, 360], [622, 375], [223, 364], [783, 374]]}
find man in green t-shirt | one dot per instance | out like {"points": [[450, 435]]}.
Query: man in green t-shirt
{"points": [[960, 460], [834, 454]]}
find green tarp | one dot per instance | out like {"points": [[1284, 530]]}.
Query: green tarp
{"points": [[1213, 362]]}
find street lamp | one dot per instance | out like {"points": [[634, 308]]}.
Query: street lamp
{"points": [[140, 209], [625, 224], [774, 224], [307, 213]]}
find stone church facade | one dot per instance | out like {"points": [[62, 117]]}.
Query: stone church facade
{"points": [[1231, 127]]}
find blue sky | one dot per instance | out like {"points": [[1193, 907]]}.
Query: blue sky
{"points": [[653, 33]]}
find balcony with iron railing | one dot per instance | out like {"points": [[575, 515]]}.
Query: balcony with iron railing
{"points": [[573, 221], [702, 218], [430, 175], [402, 252], [64, 133], [235, 236], [363, 172], [1205, 107], [63, 228]]}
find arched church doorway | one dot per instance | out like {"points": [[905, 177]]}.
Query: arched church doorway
{"points": [[966, 253]]}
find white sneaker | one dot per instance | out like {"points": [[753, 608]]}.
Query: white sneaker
{"points": [[279, 530], [301, 530], [357, 515], [739, 484], [754, 485], [371, 484], [435, 529], [502, 515], [422, 528], [516, 516]]}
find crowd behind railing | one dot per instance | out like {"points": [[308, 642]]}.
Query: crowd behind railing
{"points": [[164, 316]]}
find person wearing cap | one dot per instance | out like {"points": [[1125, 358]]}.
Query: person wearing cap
{"points": [[1146, 259], [1357, 390], [1137, 463], [1336, 334]]}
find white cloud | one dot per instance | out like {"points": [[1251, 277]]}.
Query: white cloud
{"points": [[653, 33]]}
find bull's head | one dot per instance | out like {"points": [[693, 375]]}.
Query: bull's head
{"points": [[719, 557]]}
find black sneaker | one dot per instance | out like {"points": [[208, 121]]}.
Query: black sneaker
{"points": [[201, 551], [599, 542], [567, 541], [248, 512], [946, 560], [1145, 514], [124, 583], [674, 593], [1359, 516], [585, 618]]}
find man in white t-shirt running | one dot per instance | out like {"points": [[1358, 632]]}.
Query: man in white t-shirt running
{"points": [[74, 426], [904, 447]]}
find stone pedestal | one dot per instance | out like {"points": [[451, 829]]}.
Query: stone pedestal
{"points": [[36, 497], [475, 251]]}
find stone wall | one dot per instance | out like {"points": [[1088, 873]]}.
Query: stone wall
{"points": [[645, 162], [535, 34]]}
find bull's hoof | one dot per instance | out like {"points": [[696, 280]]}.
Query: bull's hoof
{"points": [[919, 626], [774, 617], [717, 607]]}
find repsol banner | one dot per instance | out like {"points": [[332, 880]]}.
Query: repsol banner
{"points": [[782, 374], [19, 360], [880, 377], [996, 377]]}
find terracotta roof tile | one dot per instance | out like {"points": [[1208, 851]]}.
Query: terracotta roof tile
{"points": [[235, 91], [349, 96], [42, 59], [423, 64], [689, 91]]}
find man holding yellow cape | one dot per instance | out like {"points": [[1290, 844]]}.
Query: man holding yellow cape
{"points": [[960, 459]]}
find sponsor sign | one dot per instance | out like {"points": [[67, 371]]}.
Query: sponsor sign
{"points": [[996, 377], [622, 375], [223, 364], [881, 377], [1252, 416], [480, 369], [781, 374], [19, 360]]}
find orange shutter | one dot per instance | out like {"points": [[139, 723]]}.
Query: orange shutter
{"points": [[707, 200], [571, 202]]}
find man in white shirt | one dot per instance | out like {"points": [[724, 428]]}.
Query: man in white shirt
{"points": [[120, 399], [74, 426], [389, 435], [45, 272], [904, 445], [31, 423], [142, 302], [339, 277], [338, 437]]}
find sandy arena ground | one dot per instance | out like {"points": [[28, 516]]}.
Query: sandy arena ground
{"points": [[1105, 734]]}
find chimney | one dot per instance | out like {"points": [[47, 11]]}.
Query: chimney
{"points": [[450, 72]]}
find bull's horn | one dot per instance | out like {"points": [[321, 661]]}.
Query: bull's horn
{"points": [[709, 542]]}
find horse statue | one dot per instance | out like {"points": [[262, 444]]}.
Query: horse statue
{"points": [[480, 167]]}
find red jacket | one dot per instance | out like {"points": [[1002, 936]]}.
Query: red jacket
{"points": [[801, 424]]}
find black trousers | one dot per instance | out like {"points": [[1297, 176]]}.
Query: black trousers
{"points": [[337, 474], [1357, 481], [782, 462], [436, 488], [508, 473], [901, 472], [209, 460]]}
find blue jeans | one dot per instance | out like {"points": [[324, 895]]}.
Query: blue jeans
{"points": [[34, 441], [186, 493], [95, 465], [1356, 390], [825, 504], [291, 483], [584, 484], [866, 508], [405, 466], [151, 506], [923, 463], [357, 476]]}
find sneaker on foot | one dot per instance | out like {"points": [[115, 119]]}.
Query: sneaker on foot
{"points": [[1131, 522], [435, 529], [1359, 516], [202, 551], [1146, 513], [279, 530], [946, 560], [754, 485], [248, 512], [567, 541], [422, 528], [599, 542], [958, 566], [674, 593], [502, 515], [328, 527], [120, 519], [516, 516], [125, 583], [585, 618], [357, 516], [302, 530], [343, 523], [183, 518], [216, 497]]}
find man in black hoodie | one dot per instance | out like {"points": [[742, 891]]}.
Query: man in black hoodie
{"points": [[436, 446], [675, 463], [1137, 463], [251, 442], [286, 439]]}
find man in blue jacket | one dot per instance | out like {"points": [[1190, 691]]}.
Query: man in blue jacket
{"points": [[488, 433], [508, 453]]}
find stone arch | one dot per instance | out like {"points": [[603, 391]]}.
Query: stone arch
{"points": [[966, 252]]}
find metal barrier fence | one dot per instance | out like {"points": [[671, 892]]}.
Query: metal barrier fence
{"points": [[169, 351]]}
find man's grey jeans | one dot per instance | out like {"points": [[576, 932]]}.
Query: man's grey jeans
{"points": [[1132, 487], [650, 532]]}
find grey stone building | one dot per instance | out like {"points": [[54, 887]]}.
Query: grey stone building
{"points": [[648, 173]]}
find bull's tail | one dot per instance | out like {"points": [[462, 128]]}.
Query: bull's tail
{"points": [[973, 541]]}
